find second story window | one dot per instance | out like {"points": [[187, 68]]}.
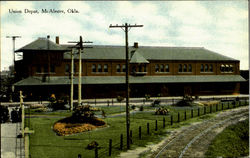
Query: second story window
{"points": [[124, 68], [222, 68], [180, 68], [99, 67], [161, 68], [202, 68], [231, 69], [189, 68], [206, 68], [184, 68], [105, 68], [211, 68], [93, 68], [167, 68], [157, 68], [118, 68]]}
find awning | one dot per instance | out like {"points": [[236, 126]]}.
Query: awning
{"points": [[91, 80]]}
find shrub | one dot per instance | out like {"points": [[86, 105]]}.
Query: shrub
{"points": [[133, 107], [92, 145], [4, 111], [156, 102], [119, 98], [162, 111], [186, 101], [141, 108]]}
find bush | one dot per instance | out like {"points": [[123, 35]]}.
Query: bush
{"points": [[4, 111], [92, 145], [162, 111], [186, 101], [133, 107], [155, 103], [141, 108]]}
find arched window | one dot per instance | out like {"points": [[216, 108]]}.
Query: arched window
{"points": [[211, 68], [202, 68], [189, 68], [105, 67], [118, 68], [123, 68], [206, 68], [99, 67], [227, 68], [222, 68], [231, 68], [157, 68], [167, 68], [180, 68], [184, 68], [93, 68], [161, 68]]}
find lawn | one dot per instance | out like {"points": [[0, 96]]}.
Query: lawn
{"points": [[232, 142], [46, 144]]}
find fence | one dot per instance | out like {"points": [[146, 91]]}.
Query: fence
{"points": [[143, 132]]}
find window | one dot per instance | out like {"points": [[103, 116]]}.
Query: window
{"points": [[38, 69], [133, 69], [231, 69], [52, 68], [167, 68], [189, 68], [45, 68], [161, 68], [180, 68], [140, 68], [99, 67], [184, 68], [145, 68], [211, 68], [227, 68], [157, 68], [105, 67], [118, 68], [93, 68], [123, 68], [202, 68], [206, 68], [222, 68]]}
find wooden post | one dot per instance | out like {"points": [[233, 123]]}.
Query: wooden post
{"points": [[131, 137], [95, 101], [185, 115], [163, 122], [96, 152], [110, 146], [156, 128], [112, 102], [139, 132], [222, 106], [23, 113], [171, 120], [26, 141], [178, 117], [108, 102], [192, 113], [198, 111], [121, 142], [80, 76], [72, 81], [147, 128]]}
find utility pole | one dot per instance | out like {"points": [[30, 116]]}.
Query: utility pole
{"points": [[72, 81], [126, 26], [13, 39], [80, 46]]}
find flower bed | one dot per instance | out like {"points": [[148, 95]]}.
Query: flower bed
{"points": [[64, 127]]}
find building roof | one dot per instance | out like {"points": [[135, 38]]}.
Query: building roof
{"points": [[88, 80], [152, 53], [42, 44], [138, 58]]}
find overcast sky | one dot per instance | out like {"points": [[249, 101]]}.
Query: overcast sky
{"points": [[220, 26]]}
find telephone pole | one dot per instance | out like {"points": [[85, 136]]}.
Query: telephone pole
{"points": [[13, 39], [80, 46], [126, 26]]}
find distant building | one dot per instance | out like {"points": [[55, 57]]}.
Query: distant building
{"points": [[168, 71]]}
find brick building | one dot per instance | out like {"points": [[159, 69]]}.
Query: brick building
{"points": [[168, 71]]}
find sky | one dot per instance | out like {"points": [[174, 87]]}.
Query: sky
{"points": [[220, 26]]}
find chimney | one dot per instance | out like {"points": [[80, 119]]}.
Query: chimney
{"points": [[135, 44], [57, 39]]}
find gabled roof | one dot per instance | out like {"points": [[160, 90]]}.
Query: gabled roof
{"points": [[152, 53], [138, 58], [64, 80], [42, 44]]}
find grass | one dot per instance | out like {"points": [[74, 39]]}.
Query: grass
{"points": [[46, 144], [232, 142]]}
